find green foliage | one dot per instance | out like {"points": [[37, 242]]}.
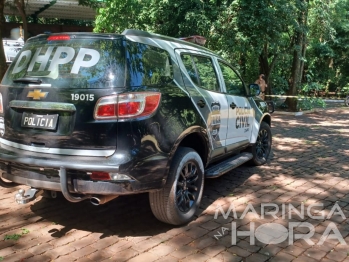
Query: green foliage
{"points": [[12, 237], [25, 231], [172, 18], [308, 103], [344, 91], [280, 85], [17, 236], [311, 89], [304, 103], [117, 15], [253, 35]]}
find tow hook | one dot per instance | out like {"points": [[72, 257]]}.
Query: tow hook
{"points": [[23, 197]]}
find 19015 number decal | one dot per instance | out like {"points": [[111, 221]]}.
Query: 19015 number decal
{"points": [[83, 97]]}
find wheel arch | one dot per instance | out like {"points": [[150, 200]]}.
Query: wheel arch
{"points": [[195, 138], [266, 118]]}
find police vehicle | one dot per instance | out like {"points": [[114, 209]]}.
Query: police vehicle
{"points": [[96, 116]]}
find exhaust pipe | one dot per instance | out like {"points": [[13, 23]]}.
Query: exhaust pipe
{"points": [[65, 190], [100, 200]]}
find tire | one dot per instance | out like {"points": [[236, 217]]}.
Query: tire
{"points": [[346, 101], [6, 183], [177, 202], [261, 149]]}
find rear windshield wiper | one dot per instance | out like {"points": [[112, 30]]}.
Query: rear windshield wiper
{"points": [[28, 80]]}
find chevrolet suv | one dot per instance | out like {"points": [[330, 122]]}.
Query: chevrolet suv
{"points": [[96, 116]]}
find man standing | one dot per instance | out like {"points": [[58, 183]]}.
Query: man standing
{"points": [[262, 84]]}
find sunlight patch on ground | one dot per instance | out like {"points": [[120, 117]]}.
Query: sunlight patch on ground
{"points": [[338, 123], [343, 130], [281, 141], [287, 140], [289, 159]]}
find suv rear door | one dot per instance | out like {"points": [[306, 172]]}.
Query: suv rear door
{"points": [[50, 91], [203, 84]]}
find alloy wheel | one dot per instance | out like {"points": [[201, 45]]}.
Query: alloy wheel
{"points": [[262, 144], [187, 187]]}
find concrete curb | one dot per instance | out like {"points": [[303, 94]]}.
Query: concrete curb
{"points": [[333, 101], [308, 111], [299, 113]]}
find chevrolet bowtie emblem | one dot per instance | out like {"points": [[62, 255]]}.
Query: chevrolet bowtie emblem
{"points": [[37, 94]]}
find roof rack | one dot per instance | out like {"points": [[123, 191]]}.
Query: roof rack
{"points": [[137, 32], [196, 39]]}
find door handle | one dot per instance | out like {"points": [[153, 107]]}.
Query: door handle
{"points": [[201, 103], [232, 105]]}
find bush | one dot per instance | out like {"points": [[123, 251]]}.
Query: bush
{"points": [[308, 103], [345, 90], [303, 104], [311, 88]]}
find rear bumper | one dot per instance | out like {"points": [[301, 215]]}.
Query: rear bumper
{"points": [[83, 186], [44, 171], [41, 160]]}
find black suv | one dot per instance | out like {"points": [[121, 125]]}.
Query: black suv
{"points": [[95, 116]]}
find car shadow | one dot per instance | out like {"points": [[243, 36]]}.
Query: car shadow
{"points": [[125, 216]]}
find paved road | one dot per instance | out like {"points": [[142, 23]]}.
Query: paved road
{"points": [[308, 168]]}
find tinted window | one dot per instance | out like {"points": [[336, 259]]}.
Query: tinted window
{"points": [[147, 65], [233, 83], [189, 65], [201, 71], [74, 63]]}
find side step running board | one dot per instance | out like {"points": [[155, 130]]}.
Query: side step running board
{"points": [[227, 165]]}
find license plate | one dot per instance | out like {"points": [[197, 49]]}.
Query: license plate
{"points": [[48, 122]]}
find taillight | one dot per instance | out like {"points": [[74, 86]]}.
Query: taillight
{"points": [[129, 105], [100, 175], [1, 105], [58, 38]]}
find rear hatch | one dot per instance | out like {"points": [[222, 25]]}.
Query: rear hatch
{"points": [[49, 94]]}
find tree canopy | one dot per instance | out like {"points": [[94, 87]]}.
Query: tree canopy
{"points": [[300, 45]]}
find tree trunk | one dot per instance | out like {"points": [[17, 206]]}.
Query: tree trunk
{"points": [[266, 68], [3, 65], [21, 9], [304, 49], [297, 64]]}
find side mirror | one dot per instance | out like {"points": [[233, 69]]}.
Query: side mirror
{"points": [[254, 89], [271, 106]]}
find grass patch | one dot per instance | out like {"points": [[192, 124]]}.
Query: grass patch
{"points": [[16, 236], [12, 237]]}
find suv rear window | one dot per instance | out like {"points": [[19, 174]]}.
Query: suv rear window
{"points": [[73, 63]]}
